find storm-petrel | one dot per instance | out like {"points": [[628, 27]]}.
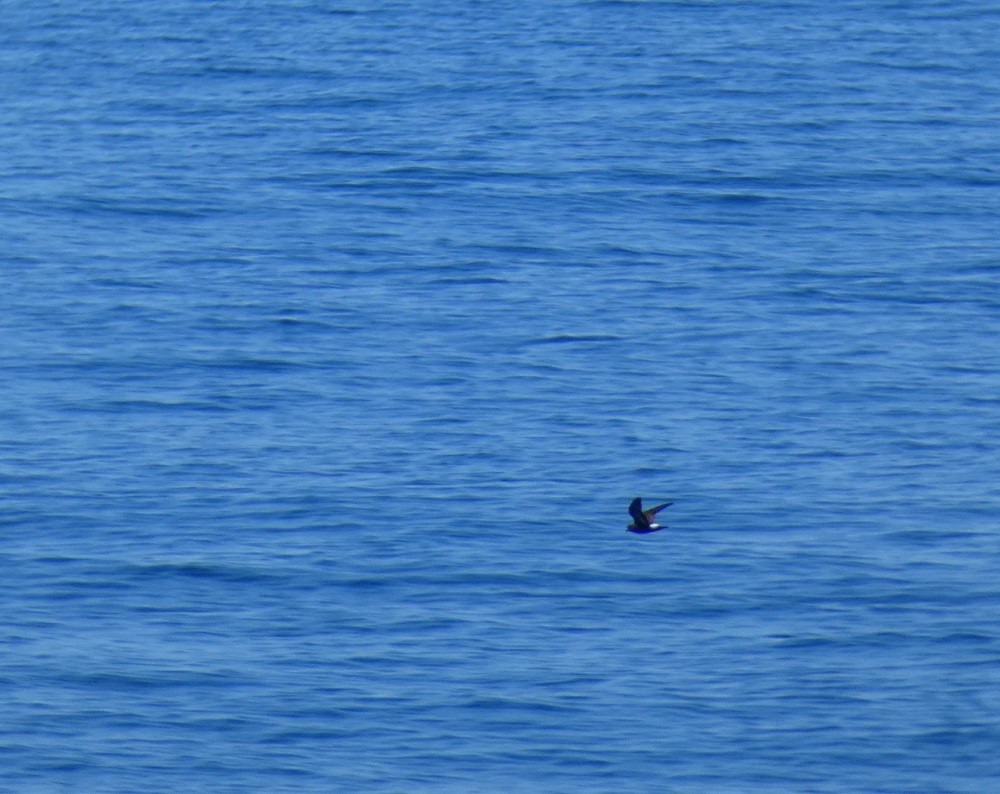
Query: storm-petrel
{"points": [[641, 519]]}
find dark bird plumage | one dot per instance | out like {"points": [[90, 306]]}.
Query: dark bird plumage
{"points": [[642, 520]]}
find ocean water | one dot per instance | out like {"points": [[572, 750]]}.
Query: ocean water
{"points": [[337, 336]]}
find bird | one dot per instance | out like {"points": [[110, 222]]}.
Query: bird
{"points": [[642, 519]]}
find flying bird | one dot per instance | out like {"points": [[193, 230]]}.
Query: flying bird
{"points": [[642, 520]]}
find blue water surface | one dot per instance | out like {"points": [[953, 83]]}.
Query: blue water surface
{"points": [[336, 338]]}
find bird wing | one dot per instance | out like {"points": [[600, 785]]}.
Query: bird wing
{"points": [[635, 510], [654, 510]]}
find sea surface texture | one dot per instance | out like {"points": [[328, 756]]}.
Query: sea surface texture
{"points": [[336, 337]]}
